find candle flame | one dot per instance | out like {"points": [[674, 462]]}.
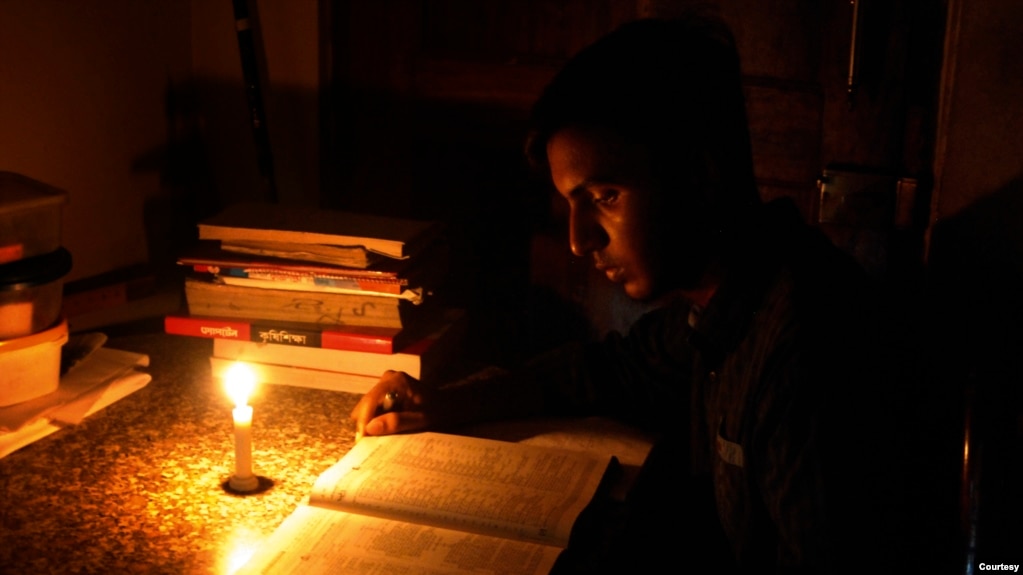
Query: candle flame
{"points": [[239, 381]]}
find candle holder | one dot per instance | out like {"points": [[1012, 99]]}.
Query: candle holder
{"points": [[262, 484], [258, 484]]}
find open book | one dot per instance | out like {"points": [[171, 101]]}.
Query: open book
{"points": [[436, 503]]}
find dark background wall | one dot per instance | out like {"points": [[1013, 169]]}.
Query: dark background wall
{"points": [[429, 101]]}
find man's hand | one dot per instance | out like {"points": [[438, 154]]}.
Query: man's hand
{"points": [[400, 402], [408, 410]]}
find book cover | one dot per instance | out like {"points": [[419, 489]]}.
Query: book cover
{"points": [[209, 254], [411, 278], [423, 358], [382, 340], [209, 257], [265, 222]]}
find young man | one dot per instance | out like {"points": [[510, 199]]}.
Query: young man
{"points": [[757, 365]]}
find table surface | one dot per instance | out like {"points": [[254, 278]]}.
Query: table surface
{"points": [[138, 486]]}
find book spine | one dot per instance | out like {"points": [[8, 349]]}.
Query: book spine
{"points": [[232, 329], [356, 342], [206, 327], [414, 296], [383, 285]]}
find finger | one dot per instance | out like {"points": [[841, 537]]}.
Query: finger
{"points": [[364, 411], [396, 422], [366, 408], [392, 383]]}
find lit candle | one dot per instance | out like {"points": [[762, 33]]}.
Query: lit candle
{"points": [[240, 381]]}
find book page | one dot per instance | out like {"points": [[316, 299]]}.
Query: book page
{"points": [[481, 485], [315, 540], [595, 435]]}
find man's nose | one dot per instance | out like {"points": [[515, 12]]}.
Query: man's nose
{"points": [[585, 234]]}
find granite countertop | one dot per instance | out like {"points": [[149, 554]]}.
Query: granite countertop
{"points": [[138, 486]]}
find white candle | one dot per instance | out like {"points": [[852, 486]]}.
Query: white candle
{"points": [[240, 382], [242, 441]]}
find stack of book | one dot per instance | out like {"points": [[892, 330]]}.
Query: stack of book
{"points": [[318, 298]]}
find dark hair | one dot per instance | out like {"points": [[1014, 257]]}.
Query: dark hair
{"points": [[673, 86]]}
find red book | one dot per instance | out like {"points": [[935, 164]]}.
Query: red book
{"points": [[425, 357], [356, 338]]}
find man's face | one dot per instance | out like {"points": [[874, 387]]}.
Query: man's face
{"points": [[610, 191]]}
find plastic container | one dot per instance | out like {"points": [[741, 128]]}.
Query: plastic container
{"points": [[30, 217], [30, 366], [31, 292]]}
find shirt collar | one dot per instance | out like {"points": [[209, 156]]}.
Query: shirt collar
{"points": [[721, 325]]}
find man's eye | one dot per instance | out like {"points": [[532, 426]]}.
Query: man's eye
{"points": [[605, 197]]}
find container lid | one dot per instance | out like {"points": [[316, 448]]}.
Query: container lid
{"points": [[58, 333], [35, 271], [18, 192]]}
